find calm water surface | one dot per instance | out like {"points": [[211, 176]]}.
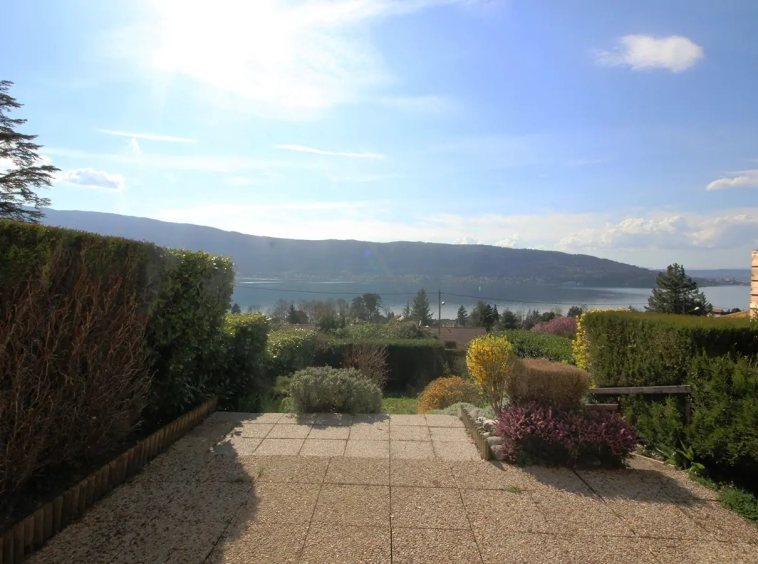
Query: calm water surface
{"points": [[517, 297]]}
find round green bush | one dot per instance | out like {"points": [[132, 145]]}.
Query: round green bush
{"points": [[339, 390]]}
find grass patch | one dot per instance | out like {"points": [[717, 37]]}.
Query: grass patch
{"points": [[399, 405], [741, 502], [514, 489]]}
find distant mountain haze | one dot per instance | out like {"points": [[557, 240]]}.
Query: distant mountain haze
{"points": [[257, 256]]}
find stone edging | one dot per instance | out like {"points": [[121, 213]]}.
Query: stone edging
{"points": [[31, 533], [476, 435]]}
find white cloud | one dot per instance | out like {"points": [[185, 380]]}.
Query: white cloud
{"points": [[675, 53], [92, 178], [467, 240], [274, 58], [147, 136], [510, 241], [304, 149], [746, 179], [134, 147]]}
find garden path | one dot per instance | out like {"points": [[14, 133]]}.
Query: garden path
{"points": [[249, 488]]}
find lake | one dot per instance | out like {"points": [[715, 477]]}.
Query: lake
{"points": [[262, 294]]}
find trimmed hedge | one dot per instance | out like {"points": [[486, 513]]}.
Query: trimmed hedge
{"points": [[290, 350], [411, 363], [718, 358], [100, 317], [245, 369], [645, 349], [532, 344]]}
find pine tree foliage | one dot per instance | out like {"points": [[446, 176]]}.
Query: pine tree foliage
{"points": [[677, 293], [20, 174]]}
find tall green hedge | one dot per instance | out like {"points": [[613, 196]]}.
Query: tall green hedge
{"points": [[645, 349], [290, 350], [245, 373], [184, 296], [718, 358]]}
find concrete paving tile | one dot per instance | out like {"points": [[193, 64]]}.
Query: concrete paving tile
{"points": [[367, 449], [189, 446], [491, 475], [257, 430], [343, 470], [297, 419], [409, 433], [370, 431], [172, 466], [573, 514], [335, 419], [723, 525], [77, 543], [421, 473], [236, 446], [218, 468], [347, 545], [455, 450], [401, 419], [449, 434], [439, 420], [279, 446], [329, 432], [657, 520], [504, 511], [353, 505], [420, 546], [290, 469], [234, 416], [291, 431], [635, 485], [323, 447], [497, 547], [371, 418], [411, 449], [435, 508], [211, 430], [263, 417], [250, 542], [601, 550], [279, 503], [675, 552], [560, 479]]}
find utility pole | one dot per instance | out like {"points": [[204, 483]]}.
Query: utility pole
{"points": [[439, 313]]}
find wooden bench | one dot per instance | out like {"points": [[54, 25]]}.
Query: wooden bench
{"points": [[648, 390]]}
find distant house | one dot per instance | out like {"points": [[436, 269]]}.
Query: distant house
{"points": [[460, 337]]}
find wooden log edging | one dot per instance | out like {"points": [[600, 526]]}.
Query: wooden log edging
{"points": [[32, 532], [481, 443]]}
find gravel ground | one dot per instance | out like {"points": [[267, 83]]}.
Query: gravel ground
{"points": [[245, 488]]}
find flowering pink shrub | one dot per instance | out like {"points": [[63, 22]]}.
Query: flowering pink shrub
{"points": [[543, 434], [558, 326]]}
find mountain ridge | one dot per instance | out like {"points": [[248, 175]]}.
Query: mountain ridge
{"points": [[261, 256]]}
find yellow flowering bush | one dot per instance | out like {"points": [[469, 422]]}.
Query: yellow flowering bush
{"points": [[444, 392], [493, 362]]}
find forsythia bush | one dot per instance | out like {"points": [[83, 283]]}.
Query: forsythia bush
{"points": [[492, 361], [560, 385], [324, 390], [444, 392]]}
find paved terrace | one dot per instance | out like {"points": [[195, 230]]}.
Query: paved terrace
{"points": [[247, 488]]}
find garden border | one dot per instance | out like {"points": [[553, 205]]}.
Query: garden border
{"points": [[32, 532], [481, 443]]}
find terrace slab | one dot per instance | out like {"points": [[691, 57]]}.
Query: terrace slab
{"points": [[401, 488]]}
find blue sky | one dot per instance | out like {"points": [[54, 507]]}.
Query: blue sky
{"points": [[625, 130]]}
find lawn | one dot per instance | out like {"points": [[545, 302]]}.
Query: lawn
{"points": [[397, 405]]}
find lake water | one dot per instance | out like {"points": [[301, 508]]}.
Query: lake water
{"points": [[262, 294]]}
